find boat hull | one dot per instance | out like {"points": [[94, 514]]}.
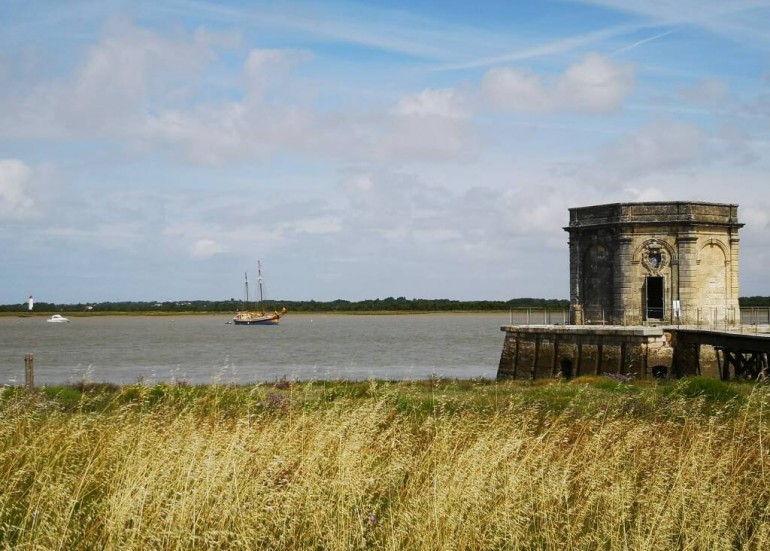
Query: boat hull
{"points": [[248, 318], [256, 322], [258, 318]]}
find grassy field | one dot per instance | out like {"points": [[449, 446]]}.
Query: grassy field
{"points": [[589, 464]]}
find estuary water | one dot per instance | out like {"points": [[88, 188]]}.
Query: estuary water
{"points": [[205, 349]]}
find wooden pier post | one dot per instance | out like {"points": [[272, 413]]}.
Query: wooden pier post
{"points": [[29, 372]]}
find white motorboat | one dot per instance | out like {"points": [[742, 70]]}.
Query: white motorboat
{"points": [[56, 318]]}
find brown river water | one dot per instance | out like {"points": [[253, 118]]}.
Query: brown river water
{"points": [[205, 349]]}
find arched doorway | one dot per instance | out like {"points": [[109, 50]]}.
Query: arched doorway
{"points": [[660, 372]]}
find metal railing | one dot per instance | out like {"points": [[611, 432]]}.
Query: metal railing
{"points": [[751, 319], [538, 316], [755, 316]]}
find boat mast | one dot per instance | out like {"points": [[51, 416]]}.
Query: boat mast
{"points": [[259, 281]]}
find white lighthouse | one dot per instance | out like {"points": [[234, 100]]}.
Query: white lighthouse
{"points": [[30, 302]]}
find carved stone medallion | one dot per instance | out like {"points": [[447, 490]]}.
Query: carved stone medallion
{"points": [[654, 258]]}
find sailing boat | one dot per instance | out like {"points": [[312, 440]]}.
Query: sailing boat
{"points": [[260, 317]]}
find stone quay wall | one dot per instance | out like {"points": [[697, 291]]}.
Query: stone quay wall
{"points": [[535, 352]]}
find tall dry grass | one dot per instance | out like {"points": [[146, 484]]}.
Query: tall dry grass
{"points": [[289, 470]]}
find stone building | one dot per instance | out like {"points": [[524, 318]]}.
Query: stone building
{"points": [[661, 279], [654, 263]]}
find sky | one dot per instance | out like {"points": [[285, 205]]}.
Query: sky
{"points": [[158, 150]]}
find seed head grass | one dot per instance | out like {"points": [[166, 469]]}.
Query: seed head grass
{"points": [[444, 465]]}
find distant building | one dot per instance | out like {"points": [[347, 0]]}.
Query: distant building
{"points": [[654, 263]]}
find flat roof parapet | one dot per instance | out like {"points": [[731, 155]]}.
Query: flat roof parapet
{"points": [[676, 212]]}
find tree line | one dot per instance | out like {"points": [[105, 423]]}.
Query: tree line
{"points": [[389, 304], [750, 302]]}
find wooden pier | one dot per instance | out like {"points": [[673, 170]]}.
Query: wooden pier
{"points": [[738, 355]]}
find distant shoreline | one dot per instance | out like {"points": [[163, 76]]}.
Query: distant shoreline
{"points": [[79, 314]]}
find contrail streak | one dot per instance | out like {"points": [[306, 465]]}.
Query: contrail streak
{"points": [[640, 42]]}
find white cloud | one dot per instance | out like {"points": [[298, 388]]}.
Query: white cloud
{"points": [[534, 211], [16, 202], [189, 233], [595, 85], [419, 222], [592, 85], [515, 89], [428, 127], [204, 248], [756, 219], [140, 86], [445, 103], [706, 91], [320, 225], [358, 183], [421, 139], [658, 148], [266, 67], [128, 73], [645, 194], [115, 235]]}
